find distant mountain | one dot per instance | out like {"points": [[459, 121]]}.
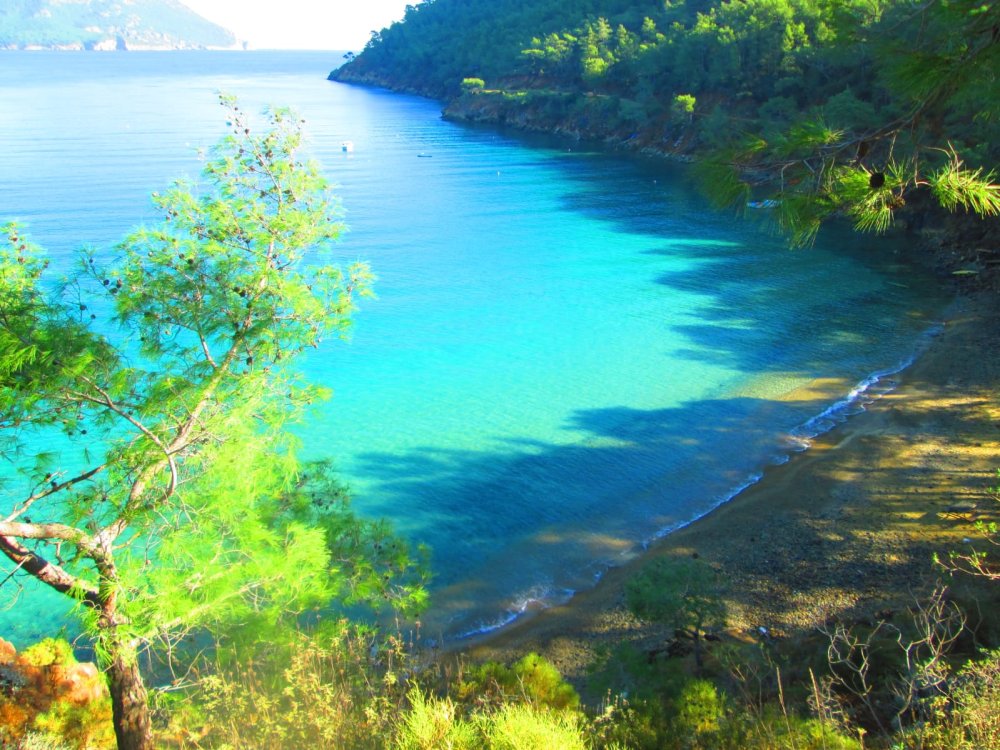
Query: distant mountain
{"points": [[106, 25]]}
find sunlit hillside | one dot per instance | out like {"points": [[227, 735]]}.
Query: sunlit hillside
{"points": [[107, 25]]}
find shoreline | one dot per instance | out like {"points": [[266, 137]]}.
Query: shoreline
{"points": [[841, 530], [840, 399]]}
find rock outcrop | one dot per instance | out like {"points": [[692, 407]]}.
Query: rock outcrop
{"points": [[44, 690]]}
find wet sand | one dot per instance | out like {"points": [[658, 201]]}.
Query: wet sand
{"points": [[847, 529]]}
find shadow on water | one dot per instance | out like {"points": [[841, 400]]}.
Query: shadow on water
{"points": [[630, 474], [519, 510], [849, 291], [829, 555], [515, 510], [834, 321]]}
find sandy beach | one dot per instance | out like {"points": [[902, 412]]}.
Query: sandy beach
{"points": [[847, 529]]}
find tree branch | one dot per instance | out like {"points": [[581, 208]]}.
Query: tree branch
{"points": [[52, 490], [48, 573]]}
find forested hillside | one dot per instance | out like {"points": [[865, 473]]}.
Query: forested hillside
{"points": [[767, 59], [105, 24], [903, 89]]}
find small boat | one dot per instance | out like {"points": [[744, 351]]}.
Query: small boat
{"points": [[422, 155], [347, 147]]}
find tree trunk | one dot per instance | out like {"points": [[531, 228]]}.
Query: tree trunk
{"points": [[129, 705]]}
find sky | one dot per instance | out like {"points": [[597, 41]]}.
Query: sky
{"points": [[302, 24]]}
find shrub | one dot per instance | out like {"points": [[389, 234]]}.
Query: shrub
{"points": [[525, 727], [52, 701], [86, 726], [698, 709], [845, 110], [635, 724], [543, 685], [532, 679], [779, 731], [48, 652], [968, 719], [682, 108], [685, 594], [331, 695], [432, 724]]}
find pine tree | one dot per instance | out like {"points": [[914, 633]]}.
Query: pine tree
{"points": [[937, 59], [155, 480]]}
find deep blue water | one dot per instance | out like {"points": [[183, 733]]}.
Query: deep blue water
{"points": [[569, 354]]}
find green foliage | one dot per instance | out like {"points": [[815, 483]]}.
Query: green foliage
{"points": [[967, 719], [621, 47], [776, 730], [345, 694], [847, 111], [334, 692], [525, 727], [80, 726], [341, 696], [698, 710], [48, 699], [47, 652], [472, 85], [176, 501], [628, 670], [893, 87], [682, 108], [869, 198], [543, 685], [629, 723], [939, 62], [958, 187], [778, 110], [694, 714], [683, 593], [531, 678], [432, 723], [722, 182]]}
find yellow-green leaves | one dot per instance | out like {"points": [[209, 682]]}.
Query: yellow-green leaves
{"points": [[956, 186], [184, 503], [932, 98], [242, 259], [869, 197]]}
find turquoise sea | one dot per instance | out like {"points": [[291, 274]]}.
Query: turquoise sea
{"points": [[570, 353]]}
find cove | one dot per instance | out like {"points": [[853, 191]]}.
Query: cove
{"points": [[570, 353]]}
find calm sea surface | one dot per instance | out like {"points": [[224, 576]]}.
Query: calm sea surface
{"points": [[569, 354]]}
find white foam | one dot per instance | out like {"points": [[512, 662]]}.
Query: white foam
{"points": [[536, 598]]}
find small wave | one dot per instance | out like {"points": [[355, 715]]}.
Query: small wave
{"points": [[535, 599], [800, 439], [880, 383], [722, 499]]}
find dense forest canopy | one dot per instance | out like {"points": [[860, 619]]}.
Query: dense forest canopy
{"points": [[904, 93], [757, 58]]}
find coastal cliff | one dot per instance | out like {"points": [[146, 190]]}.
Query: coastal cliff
{"points": [[589, 117], [572, 114]]}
